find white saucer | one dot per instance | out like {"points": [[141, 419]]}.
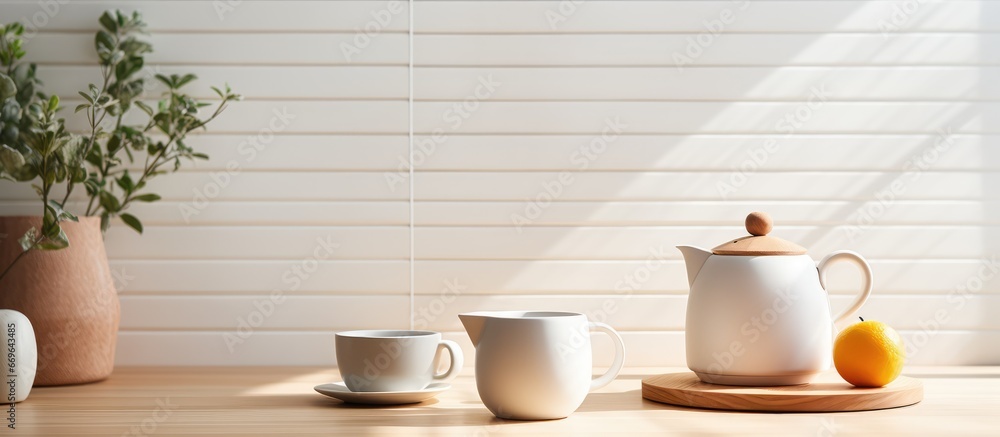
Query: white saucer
{"points": [[338, 390]]}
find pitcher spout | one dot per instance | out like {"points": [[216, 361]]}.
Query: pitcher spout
{"points": [[694, 258], [474, 323]]}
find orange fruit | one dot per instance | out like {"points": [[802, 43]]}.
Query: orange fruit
{"points": [[869, 354]]}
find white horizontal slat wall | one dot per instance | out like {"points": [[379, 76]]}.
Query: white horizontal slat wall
{"points": [[562, 72], [549, 82], [193, 279]]}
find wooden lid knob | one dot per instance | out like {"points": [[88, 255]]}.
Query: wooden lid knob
{"points": [[759, 223], [758, 243]]}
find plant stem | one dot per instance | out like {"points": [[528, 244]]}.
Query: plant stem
{"points": [[104, 172], [218, 110], [93, 135], [89, 205], [156, 163], [19, 256], [148, 170], [46, 188], [106, 72], [151, 167]]}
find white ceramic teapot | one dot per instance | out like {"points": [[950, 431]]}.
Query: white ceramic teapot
{"points": [[758, 313]]}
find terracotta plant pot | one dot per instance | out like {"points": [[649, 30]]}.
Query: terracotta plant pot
{"points": [[69, 297]]}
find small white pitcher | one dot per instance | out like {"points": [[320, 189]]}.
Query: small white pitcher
{"points": [[536, 365]]}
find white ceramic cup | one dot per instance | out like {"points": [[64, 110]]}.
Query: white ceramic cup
{"points": [[388, 361]]}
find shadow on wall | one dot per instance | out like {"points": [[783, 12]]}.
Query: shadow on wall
{"points": [[829, 231]]}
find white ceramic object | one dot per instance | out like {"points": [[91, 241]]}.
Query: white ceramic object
{"points": [[762, 320], [536, 365], [20, 356], [394, 361], [338, 390]]}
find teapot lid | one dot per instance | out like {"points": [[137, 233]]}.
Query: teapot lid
{"points": [[758, 243]]}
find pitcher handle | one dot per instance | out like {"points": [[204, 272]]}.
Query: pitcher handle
{"points": [[616, 366], [854, 258]]}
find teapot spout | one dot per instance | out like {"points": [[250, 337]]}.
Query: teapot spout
{"points": [[474, 324], [694, 258]]}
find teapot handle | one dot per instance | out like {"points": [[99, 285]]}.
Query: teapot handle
{"points": [[616, 366], [866, 269]]}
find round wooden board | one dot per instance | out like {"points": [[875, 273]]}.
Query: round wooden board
{"points": [[829, 393]]}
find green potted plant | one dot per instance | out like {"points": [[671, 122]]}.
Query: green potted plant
{"points": [[53, 267]]}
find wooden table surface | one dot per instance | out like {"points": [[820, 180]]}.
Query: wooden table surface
{"points": [[281, 401]]}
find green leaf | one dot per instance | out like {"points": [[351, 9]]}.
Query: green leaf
{"points": [[61, 214], [109, 102], [109, 202], [7, 87], [147, 197], [125, 182], [55, 242], [166, 80], [145, 108], [128, 67], [10, 159], [95, 157], [11, 112], [108, 22], [79, 175], [114, 144], [70, 150], [28, 239], [16, 28], [117, 56], [92, 186], [86, 97], [132, 222], [184, 80], [104, 41]]}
